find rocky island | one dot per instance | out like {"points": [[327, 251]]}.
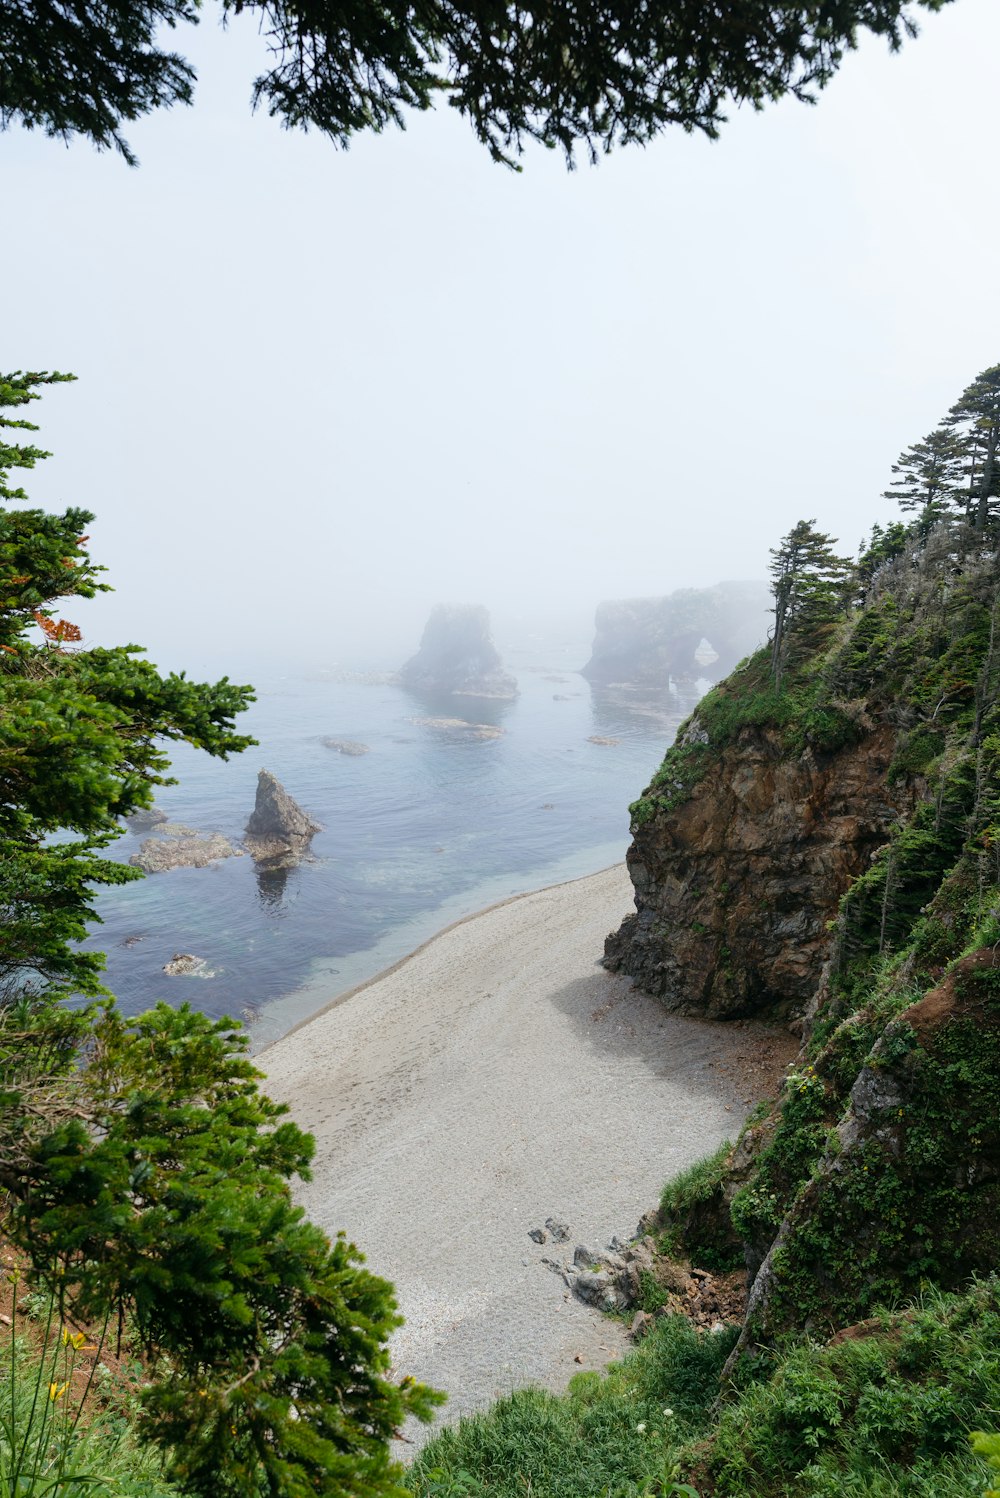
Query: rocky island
{"points": [[689, 634], [457, 657], [279, 832]]}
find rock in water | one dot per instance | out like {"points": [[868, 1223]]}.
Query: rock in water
{"points": [[347, 746], [694, 632], [182, 848], [457, 656], [187, 965], [279, 831], [145, 819]]}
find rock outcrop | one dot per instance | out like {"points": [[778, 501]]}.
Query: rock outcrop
{"points": [[459, 729], [179, 847], [652, 642], [279, 832], [350, 747], [457, 657], [735, 885], [146, 819], [187, 965]]}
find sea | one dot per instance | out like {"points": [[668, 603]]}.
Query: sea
{"points": [[432, 824]]}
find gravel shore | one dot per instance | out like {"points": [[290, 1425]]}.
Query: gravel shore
{"points": [[496, 1078]]}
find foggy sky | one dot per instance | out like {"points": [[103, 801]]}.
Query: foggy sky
{"points": [[321, 391]]}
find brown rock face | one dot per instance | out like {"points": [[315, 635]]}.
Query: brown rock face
{"points": [[734, 887]]}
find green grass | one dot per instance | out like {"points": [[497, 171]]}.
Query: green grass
{"points": [[46, 1453], [883, 1414], [609, 1436]]}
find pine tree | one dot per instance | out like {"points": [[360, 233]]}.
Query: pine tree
{"points": [[597, 72], [141, 1169], [975, 420], [808, 583], [928, 476]]}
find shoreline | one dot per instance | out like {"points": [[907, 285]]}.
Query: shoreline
{"points": [[394, 967], [495, 1077]]}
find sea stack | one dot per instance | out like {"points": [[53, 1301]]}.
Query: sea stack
{"points": [[694, 632], [279, 832], [457, 656]]}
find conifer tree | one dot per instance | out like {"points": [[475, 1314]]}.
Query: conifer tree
{"points": [[975, 420], [141, 1169], [590, 71], [928, 476], [808, 583]]}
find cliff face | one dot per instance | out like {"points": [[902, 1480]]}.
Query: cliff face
{"points": [[736, 885], [832, 849]]}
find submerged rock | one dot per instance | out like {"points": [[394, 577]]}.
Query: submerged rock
{"points": [[458, 728], [182, 848], [347, 746], [186, 965], [457, 656], [145, 819], [279, 831]]}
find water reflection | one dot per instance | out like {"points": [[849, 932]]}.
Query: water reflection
{"points": [[627, 709], [272, 880]]}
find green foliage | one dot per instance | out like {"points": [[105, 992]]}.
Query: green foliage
{"points": [[987, 1445], [609, 1434], [141, 1170], [155, 1177], [81, 731], [557, 74], [809, 583], [694, 1218], [53, 1444], [883, 1411]]}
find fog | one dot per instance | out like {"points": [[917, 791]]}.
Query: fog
{"points": [[320, 391]]}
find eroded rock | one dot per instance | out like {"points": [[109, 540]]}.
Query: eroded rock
{"points": [[182, 848], [458, 728], [186, 965], [279, 832], [457, 656], [736, 882], [349, 747]]}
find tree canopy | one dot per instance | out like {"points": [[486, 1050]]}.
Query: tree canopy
{"points": [[141, 1170], [571, 71]]}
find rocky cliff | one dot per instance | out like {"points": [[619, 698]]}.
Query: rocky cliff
{"points": [[457, 657], [650, 642], [829, 853], [737, 881]]}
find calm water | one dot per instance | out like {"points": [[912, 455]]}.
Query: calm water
{"points": [[422, 830]]}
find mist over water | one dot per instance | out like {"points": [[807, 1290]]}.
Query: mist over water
{"points": [[427, 827]]}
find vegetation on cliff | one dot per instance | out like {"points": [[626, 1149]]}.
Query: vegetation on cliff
{"points": [[144, 1179]]}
